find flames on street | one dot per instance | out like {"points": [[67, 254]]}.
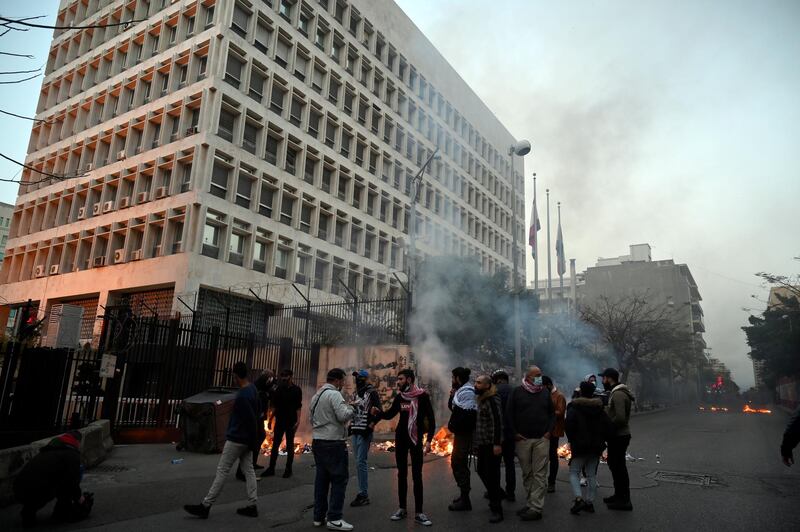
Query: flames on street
{"points": [[564, 452], [300, 447], [747, 409], [442, 444]]}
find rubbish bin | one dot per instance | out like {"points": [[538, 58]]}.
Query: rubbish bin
{"points": [[204, 420]]}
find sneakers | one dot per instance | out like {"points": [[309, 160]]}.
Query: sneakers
{"points": [[399, 514], [287, 473], [341, 524], [584, 481], [422, 519], [462, 504], [551, 488], [268, 472], [620, 505], [248, 511], [360, 500], [531, 515], [320, 523], [577, 506], [197, 510]]}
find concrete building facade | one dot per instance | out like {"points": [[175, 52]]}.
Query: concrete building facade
{"points": [[237, 145], [6, 211]]}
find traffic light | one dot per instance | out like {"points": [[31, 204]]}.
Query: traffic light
{"points": [[27, 322]]}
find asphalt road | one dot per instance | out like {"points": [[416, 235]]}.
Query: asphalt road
{"points": [[138, 489]]}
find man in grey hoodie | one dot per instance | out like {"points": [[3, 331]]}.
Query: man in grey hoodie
{"points": [[619, 411], [329, 416]]}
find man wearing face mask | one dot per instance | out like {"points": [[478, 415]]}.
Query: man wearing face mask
{"points": [[416, 419], [287, 400], [463, 408], [532, 416], [487, 443], [329, 414], [619, 411], [361, 428]]}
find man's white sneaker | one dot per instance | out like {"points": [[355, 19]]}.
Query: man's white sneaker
{"points": [[398, 515], [423, 520], [319, 523], [341, 524]]}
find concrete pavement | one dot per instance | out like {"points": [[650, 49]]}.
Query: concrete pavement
{"points": [[735, 454]]}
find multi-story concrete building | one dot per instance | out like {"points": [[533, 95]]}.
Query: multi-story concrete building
{"points": [[235, 144], [6, 211]]}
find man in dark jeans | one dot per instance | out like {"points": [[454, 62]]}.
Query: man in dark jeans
{"points": [[329, 414], [619, 411], [500, 379], [560, 404], [463, 408], [287, 399], [487, 443], [416, 419]]}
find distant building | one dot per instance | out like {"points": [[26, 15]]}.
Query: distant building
{"points": [[6, 211]]}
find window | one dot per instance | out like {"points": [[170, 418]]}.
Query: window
{"points": [[241, 20], [304, 23], [314, 117], [291, 160], [219, 180], [272, 150], [330, 133], [376, 120], [322, 229], [260, 256], [347, 141], [339, 232], [310, 170], [348, 100], [285, 9], [363, 107], [333, 91], [263, 36], [355, 20], [190, 26], [287, 209], [227, 121], [336, 50], [233, 71], [303, 265], [256, 91], [321, 38], [173, 34], [296, 111], [201, 71], [360, 153], [327, 173], [281, 262], [300, 67], [250, 137], [186, 178], [305, 218], [266, 200], [209, 16], [183, 75], [282, 52], [236, 249], [211, 240], [276, 100], [320, 274], [343, 182], [318, 79], [338, 12]]}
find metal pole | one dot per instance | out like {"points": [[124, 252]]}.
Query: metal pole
{"points": [[535, 244], [517, 340], [560, 271], [549, 271], [412, 231]]}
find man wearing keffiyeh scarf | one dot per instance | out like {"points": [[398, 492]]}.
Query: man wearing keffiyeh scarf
{"points": [[464, 412], [416, 420]]}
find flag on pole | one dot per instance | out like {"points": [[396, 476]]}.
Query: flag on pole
{"points": [[535, 227], [561, 263]]}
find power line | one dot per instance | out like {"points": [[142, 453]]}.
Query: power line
{"points": [[22, 22]]}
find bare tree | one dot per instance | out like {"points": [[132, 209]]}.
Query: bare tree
{"points": [[637, 331]]}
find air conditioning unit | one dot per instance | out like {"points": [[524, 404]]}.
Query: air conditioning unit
{"points": [[63, 327], [99, 261], [89, 167], [39, 271], [96, 209], [119, 256], [108, 206], [141, 197], [124, 203], [121, 155], [192, 130], [82, 213], [136, 254], [161, 192], [157, 251], [54, 269]]}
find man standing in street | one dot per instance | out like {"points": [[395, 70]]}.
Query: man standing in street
{"points": [[240, 438], [532, 417], [463, 408], [487, 443], [791, 437], [329, 415], [287, 400], [361, 428], [619, 411], [500, 379], [560, 404], [265, 385], [416, 419]]}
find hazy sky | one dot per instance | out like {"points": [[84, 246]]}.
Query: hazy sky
{"points": [[673, 123]]}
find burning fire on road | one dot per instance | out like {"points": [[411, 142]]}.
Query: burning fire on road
{"points": [[442, 444], [747, 409], [300, 447]]}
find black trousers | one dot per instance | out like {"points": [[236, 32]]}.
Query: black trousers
{"points": [[32, 502], [617, 448], [404, 448], [509, 453], [282, 430], [459, 461], [489, 471], [551, 478]]}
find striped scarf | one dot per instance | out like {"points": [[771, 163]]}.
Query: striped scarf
{"points": [[412, 396]]}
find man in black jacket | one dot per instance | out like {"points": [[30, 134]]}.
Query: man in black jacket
{"points": [[361, 429], [532, 416], [240, 439], [487, 443], [500, 379], [791, 437], [54, 473], [416, 419], [463, 408], [287, 400]]}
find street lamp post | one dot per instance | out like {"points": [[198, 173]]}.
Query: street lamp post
{"points": [[411, 273], [520, 149]]}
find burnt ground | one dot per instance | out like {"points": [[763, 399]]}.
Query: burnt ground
{"points": [[716, 472]]}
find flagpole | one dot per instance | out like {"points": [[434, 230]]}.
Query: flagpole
{"points": [[549, 271], [560, 270], [535, 244]]}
